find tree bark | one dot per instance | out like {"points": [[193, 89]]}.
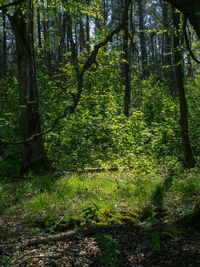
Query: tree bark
{"points": [[61, 49], [34, 157], [189, 159], [82, 35], [39, 29], [142, 38], [126, 67], [168, 73], [88, 29], [47, 54], [4, 47]]}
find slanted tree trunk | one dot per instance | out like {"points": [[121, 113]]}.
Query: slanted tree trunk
{"points": [[34, 157], [191, 9], [189, 159]]}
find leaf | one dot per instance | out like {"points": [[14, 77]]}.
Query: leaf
{"points": [[155, 241]]}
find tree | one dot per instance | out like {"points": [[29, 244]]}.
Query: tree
{"points": [[191, 9], [4, 58], [21, 20], [143, 45], [189, 159], [126, 66], [167, 44], [47, 54]]}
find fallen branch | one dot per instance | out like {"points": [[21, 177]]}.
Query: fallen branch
{"points": [[82, 231], [90, 170]]}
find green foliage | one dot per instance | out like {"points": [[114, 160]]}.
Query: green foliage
{"points": [[155, 241], [10, 155], [110, 250], [98, 134], [97, 198], [187, 183], [194, 111], [6, 261]]}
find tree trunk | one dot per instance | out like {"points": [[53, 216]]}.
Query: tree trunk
{"points": [[191, 219], [39, 29], [191, 9], [168, 73], [152, 45], [189, 159], [126, 67], [47, 54], [82, 35], [88, 29], [62, 37], [34, 157], [142, 38], [4, 48]]}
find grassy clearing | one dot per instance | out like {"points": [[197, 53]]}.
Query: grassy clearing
{"points": [[50, 200]]}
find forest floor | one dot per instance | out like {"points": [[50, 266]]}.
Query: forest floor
{"points": [[153, 241], [118, 245]]}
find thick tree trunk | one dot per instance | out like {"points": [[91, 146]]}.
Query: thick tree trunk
{"points": [[34, 156], [189, 159]]}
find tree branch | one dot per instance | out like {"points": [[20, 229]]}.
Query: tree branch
{"points": [[4, 7], [91, 60], [187, 42], [83, 231]]}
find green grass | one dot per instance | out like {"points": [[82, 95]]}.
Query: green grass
{"points": [[85, 196]]}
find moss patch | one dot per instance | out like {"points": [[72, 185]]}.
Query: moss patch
{"points": [[192, 219], [171, 232]]}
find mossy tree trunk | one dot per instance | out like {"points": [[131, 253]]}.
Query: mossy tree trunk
{"points": [[192, 219]]}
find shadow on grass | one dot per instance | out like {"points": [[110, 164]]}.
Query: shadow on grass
{"points": [[15, 191], [161, 190]]}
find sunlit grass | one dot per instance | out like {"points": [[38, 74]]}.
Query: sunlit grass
{"points": [[72, 194]]}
